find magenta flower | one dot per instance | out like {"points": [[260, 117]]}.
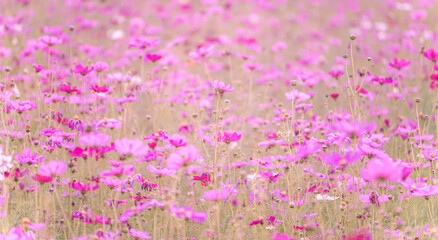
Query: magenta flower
{"points": [[52, 168], [153, 57], [228, 136], [68, 89], [99, 89], [83, 70], [382, 170], [76, 123], [431, 55], [38, 67], [270, 219], [134, 147], [336, 73], [83, 188], [205, 178], [42, 179], [221, 87], [28, 157], [399, 64]]}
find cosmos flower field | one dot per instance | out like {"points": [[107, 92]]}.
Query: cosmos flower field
{"points": [[218, 119]]}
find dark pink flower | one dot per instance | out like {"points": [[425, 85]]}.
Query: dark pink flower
{"points": [[228, 136], [68, 89], [38, 67], [83, 70], [399, 64], [83, 188], [153, 57], [99, 89], [431, 55]]}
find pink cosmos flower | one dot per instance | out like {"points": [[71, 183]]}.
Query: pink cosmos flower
{"points": [[38, 67], [153, 57], [188, 213], [42, 179], [252, 66], [336, 73], [109, 123], [362, 234], [336, 159], [374, 198], [118, 171], [163, 171], [94, 139], [133, 147], [270, 219], [178, 140], [16, 233], [83, 188], [221, 87], [99, 89], [28, 157], [382, 169], [50, 40], [181, 157], [431, 55], [139, 234], [228, 136], [382, 80], [68, 89], [202, 52], [216, 195], [100, 66], [281, 236], [205, 178], [52, 168], [399, 64], [270, 176], [83, 70]]}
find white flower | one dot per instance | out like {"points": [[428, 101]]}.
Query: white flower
{"points": [[325, 197], [251, 177], [5, 164]]}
